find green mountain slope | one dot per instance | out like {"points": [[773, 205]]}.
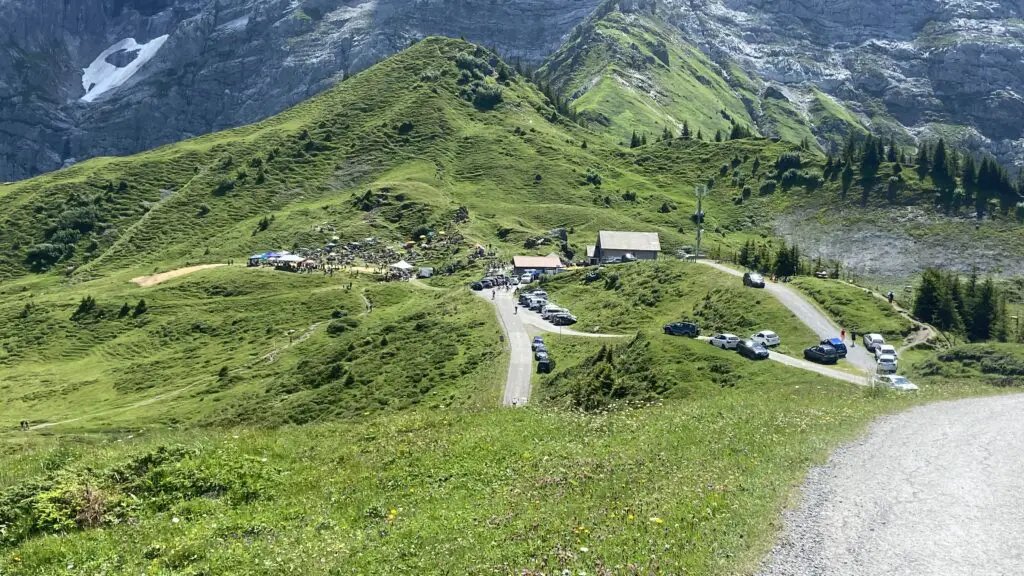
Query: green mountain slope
{"points": [[168, 436], [627, 69]]}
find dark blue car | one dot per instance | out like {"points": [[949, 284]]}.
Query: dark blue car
{"points": [[837, 344]]}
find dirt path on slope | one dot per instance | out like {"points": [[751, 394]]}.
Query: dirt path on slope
{"points": [[153, 280]]}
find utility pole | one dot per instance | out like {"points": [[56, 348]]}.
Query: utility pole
{"points": [[701, 192]]}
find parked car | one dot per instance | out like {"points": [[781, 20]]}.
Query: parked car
{"points": [[478, 286], [526, 278], [550, 310], [821, 354], [753, 279], [836, 343], [537, 304], [682, 329], [725, 341], [885, 349], [767, 338], [895, 382], [537, 341], [487, 283], [514, 281], [752, 349], [524, 299], [821, 274], [873, 340], [540, 353], [540, 294], [546, 366], [887, 364], [563, 319]]}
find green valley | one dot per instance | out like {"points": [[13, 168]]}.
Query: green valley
{"points": [[245, 420]]}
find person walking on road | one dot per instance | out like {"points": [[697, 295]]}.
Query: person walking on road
{"points": [[515, 310], [853, 338], [493, 293], [842, 334], [891, 297]]}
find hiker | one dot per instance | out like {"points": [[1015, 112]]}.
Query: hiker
{"points": [[24, 425], [853, 338], [891, 297], [842, 334], [515, 309], [493, 294]]}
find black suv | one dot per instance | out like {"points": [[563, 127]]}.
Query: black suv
{"points": [[682, 329], [822, 354], [753, 279]]}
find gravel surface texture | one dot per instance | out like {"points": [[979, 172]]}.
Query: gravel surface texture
{"points": [[932, 491]]}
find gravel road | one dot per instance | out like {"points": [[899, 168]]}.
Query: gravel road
{"points": [[934, 490]]}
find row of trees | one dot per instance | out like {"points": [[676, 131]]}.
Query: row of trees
{"points": [[959, 179], [781, 261], [736, 132], [975, 308]]}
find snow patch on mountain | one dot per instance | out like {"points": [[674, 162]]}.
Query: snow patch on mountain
{"points": [[102, 76]]}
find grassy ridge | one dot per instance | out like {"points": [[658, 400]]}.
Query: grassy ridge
{"points": [[856, 308]]}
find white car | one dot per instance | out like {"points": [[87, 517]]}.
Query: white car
{"points": [[725, 341], [871, 341], [885, 350], [526, 278], [766, 337], [896, 383], [886, 364]]}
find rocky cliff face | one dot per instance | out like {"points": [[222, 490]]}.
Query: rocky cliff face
{"points": [[99, 77], [916, 68], [93, 77]]}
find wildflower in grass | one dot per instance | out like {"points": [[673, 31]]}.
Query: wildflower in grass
{"points": [[657, 520]]}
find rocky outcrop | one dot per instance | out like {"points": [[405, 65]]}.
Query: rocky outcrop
{"points": [[920, 68], [224, 62]]}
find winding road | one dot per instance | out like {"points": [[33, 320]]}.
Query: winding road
{"points": [[928, 491], [810, 315], [517, 325]]}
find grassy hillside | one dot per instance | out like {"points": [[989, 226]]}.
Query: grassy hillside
{"points": [[631, 71], [239, 421]]}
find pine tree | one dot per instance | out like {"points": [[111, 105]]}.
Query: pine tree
{"points": [[686, 130], [718, 135], [891, 156], [666, 134], [700, 136], [983, 316], [643, 139], [634, 141], [940, 165], [923, 162], [969, 179], [929, 295]]}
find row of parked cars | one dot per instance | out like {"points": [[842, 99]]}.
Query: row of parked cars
{"points": [[537, 301], [490, 282], [545, 363], [755, 347]]}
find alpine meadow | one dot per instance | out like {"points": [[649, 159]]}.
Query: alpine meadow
{"points": [[291, 346]]}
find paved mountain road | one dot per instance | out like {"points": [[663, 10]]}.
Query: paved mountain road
{"points": [[517, 332], [928, 491], [810, 315]]}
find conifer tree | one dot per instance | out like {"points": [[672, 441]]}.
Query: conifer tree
{"points": [[686, 130]]}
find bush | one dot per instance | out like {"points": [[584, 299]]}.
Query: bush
{"points": [[223, 187], [768, 187], [790, 178], [486, 96], [86, 307], [341, 325], [140, 308], [203, 210], [788, 161]]}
